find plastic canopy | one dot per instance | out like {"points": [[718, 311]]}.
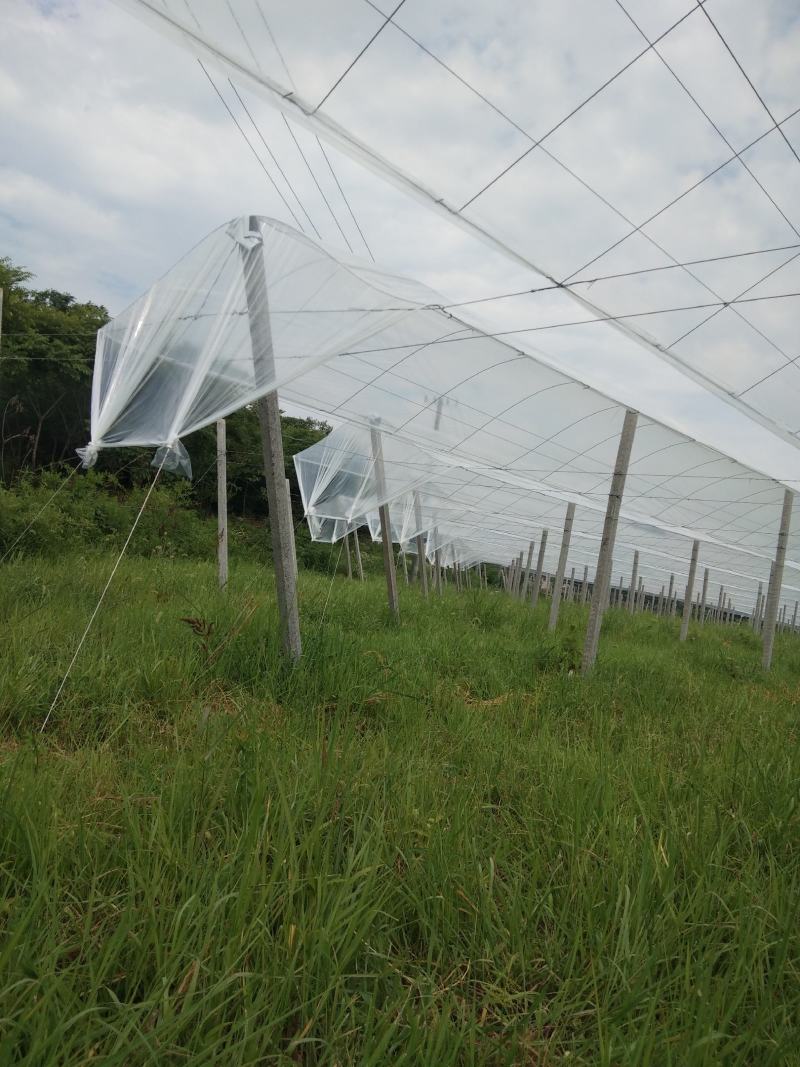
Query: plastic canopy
{"points": [[652, 147], [257, 306], [472, 516]]}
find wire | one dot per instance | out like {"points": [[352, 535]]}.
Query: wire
{"points": [[575, 110], [314, 177], [623, 274], [274, 159], [475, 333], [747, 78], [259, 160], [40, 512], [708, 118], [677, 199], [347, 202], [340, 79], [102, 595]]}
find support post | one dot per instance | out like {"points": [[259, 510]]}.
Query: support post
{"points": [[423, 576], [527, 579], [269, 417], [605, 557], [756, 615], [555, 602], [687, 596], [386, 527], [776, 581], [222, 505], [794, 617], [347, 555], [634, 583], [702, 612], [357, 547], [537, 578], [585, 583], [668, 606]]}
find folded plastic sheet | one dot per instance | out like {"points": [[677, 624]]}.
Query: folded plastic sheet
{"points": [[252, 306], [603, 150]]}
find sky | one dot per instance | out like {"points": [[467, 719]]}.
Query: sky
{"points": [[120, 157]]}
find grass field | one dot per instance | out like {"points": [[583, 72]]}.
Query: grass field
{"points": [[434, 844]]}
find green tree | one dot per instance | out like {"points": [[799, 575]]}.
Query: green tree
{"points": [[46, 359]]}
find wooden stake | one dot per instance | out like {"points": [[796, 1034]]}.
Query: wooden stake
{"points": [[776, 581], [537, 578], [357, 547], [555, 603], [222, 505], [386, 526], [634, 583], [687, 596], [423, 577], [269, 417], [605, 557], [526, 582]]}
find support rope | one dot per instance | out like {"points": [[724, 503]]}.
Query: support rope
{"points": [[102, 595]]}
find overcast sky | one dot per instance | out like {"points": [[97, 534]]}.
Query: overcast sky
{"points": [[119, 157]]}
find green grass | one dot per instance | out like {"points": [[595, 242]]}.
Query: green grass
{"points": [[434, 844]]}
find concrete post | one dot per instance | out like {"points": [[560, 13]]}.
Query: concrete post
{"points": [[702, 612], [585, 584], [605, 557], [357, 547], [687, 596], [421, 570], [280, 516], [756, 615], [385, 520], [634, 583], [773, 592], [222, 505], [555, 602], [668, 607], [527, 579], [537, 578], [794, 617], [518, 574]]}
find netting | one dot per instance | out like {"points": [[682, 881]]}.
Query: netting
{"points": [[257, 306], [642, 158]]}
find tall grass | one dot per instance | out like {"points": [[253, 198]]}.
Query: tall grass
{"points": [[429, 844]]}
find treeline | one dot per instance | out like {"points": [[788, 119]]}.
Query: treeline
{"points": [[46, 359], [47, 351]]}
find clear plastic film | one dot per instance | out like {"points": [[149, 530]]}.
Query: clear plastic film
{"points": [[654, 193]]}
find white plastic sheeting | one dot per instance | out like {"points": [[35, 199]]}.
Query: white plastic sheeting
{"points": [[472, 515], [257, 306], [184, 353], [585, 139]]}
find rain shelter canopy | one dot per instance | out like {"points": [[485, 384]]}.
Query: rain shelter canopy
{"points": [[471, 516], [257, 307], [638, 157]]}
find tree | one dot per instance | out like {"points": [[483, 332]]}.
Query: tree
{"points": [[48, 343]]}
